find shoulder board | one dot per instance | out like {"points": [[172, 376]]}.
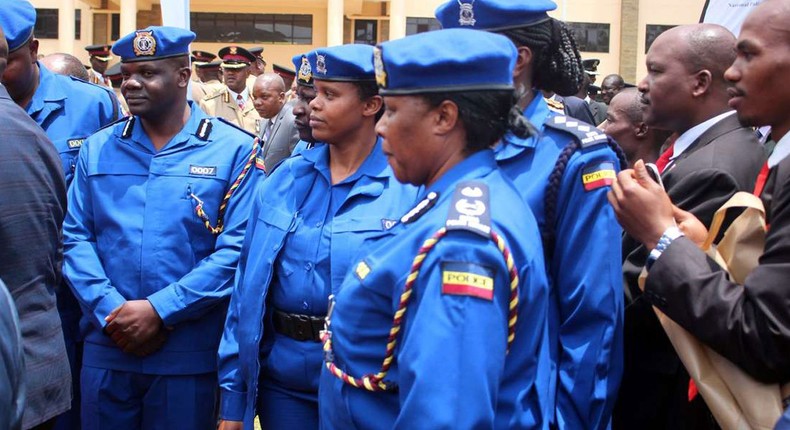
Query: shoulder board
{"points": [[213, 95], [587, 134], [235, 126], [204, 129], [555, 105], [127, 129], [470, 209], [420, 209], [112, 124]]}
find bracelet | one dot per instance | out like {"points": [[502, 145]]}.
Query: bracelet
{"points": [[669, 235]]}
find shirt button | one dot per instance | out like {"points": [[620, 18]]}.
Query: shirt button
{"points": [[308, 266], [319, 224], [305, 306], [275, 247]]}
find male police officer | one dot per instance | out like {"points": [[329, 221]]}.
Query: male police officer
{"points": [[156, 217], [99, 57], [234, 103]]}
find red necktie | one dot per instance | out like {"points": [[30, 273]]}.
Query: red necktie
{"points": [[761, 178], [663, 160], [240, 101]]}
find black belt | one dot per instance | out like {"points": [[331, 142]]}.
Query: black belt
{"points": [[299, 327]]}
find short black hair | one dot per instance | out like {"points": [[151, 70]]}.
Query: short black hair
{"points": [[368, 89]]}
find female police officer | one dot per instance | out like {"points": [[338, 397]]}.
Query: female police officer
{"points": [[563, 173], [444, 325], [311, 217]]}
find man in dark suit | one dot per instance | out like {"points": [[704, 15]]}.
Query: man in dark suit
{"points": [[278, 132], [12, 364], [748, 324], [713, 157], [33, 196]]}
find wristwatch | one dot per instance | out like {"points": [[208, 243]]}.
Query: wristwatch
{"points": [[669, 235]]}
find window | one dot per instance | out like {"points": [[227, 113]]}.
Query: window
{"points": [[591, 37], [421, 25], [46, 24], [365, 31], [252, 28], [77, 24], [653, 31], [115, 26]]}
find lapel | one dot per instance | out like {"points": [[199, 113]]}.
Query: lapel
{"points": [[727, 125], [277, 123]]}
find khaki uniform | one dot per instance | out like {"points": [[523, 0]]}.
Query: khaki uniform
{"points": [[251, 81], [201, 90], [97, 78], [221, 104]]}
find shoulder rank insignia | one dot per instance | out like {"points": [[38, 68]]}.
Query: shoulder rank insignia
{"points": [[362, 270], [467, 279], [204, 129], [127, 129], [597, 175], [555, 106], [469, 209], [422, 207], [587, 134]]}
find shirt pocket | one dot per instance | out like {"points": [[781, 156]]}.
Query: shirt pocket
{"points": [[353, 239]]}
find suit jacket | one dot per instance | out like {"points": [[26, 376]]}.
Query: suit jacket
{"points": [[598, 111], [222, 105], [722, 161], [282, 139], [576, 108], [33, 196], [749, 324], [12, 364]]}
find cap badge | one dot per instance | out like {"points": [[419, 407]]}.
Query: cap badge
{"points": [[320, 64], [305, 71], [466, 14], [378, 65], [144, 43], [233, 50]]}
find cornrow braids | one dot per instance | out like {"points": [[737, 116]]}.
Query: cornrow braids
{"points": [[557, 66], [549, 231]]}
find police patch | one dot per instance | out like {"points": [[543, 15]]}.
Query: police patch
{"points": [[202, 170], [144, 43], [470, 209], [75, 143], [362, 270], [467, 279], [305, 72], [320, 64], [378, 65], [598, 175]]}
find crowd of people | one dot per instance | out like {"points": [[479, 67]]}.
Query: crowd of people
{"points": [[428, 233]]}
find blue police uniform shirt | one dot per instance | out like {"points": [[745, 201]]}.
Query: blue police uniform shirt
{"points": [[305, 233], [586, 314], [451, 367], [69, 110], [132, 232]]}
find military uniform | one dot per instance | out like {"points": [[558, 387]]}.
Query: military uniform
{"points": [[157, 242], [221, 104], [564, 173]]}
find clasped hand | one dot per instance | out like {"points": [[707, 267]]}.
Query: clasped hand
{"points": [[136, 328]]}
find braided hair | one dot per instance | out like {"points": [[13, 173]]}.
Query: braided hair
{"points": [[549, 232], [558, 65], [486, 115]]}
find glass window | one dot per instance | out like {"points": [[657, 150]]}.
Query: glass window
{"points": [[653, 30], [365, 31], [253, 28], [77, 24], [591, 37], [46, 24], [115, 28], [421, 25]]}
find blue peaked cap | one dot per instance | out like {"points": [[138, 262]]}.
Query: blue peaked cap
{"points": [[153, 43], [493, 15], [445, 60], [345, 63], [17, 18]]}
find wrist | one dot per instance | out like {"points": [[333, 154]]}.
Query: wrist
{"points": [[670, 234]]}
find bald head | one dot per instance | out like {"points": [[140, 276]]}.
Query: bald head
{"points": [[65, 64], [629, 102], [705, 47], [271, 81]]}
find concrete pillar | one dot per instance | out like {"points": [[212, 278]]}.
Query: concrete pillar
{"points": [[66, 26], [128, 16], [397, 19], [334, 22], [629, 39]]}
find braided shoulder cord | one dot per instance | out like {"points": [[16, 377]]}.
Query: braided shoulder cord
{"points": [[552, 195], [224, 204], [375, 382]]}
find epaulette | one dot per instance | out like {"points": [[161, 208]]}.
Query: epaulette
{"points": [[587, 134], [421, 208], [555, 106], [111, 124], [127, 129], [204, 129], [469, 209], [214, 95], [235, 126]]}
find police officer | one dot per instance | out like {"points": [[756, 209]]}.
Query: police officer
{"points": [[305, 93], [99, 57], [313, 216], [157, 213], [114, 75], [563, 172], [234, 101], [199, 58], [69, 110], [257, 66], [447, 320]]}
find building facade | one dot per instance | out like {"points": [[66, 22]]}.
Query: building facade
{"points": [[617, 32]]}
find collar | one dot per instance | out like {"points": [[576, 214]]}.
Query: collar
{"points": [[691, 135], [374, 166], [244, 94], [48, 90], [587, 99], [475, 166], [186, 134], [781, 151], [511, 145]]}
